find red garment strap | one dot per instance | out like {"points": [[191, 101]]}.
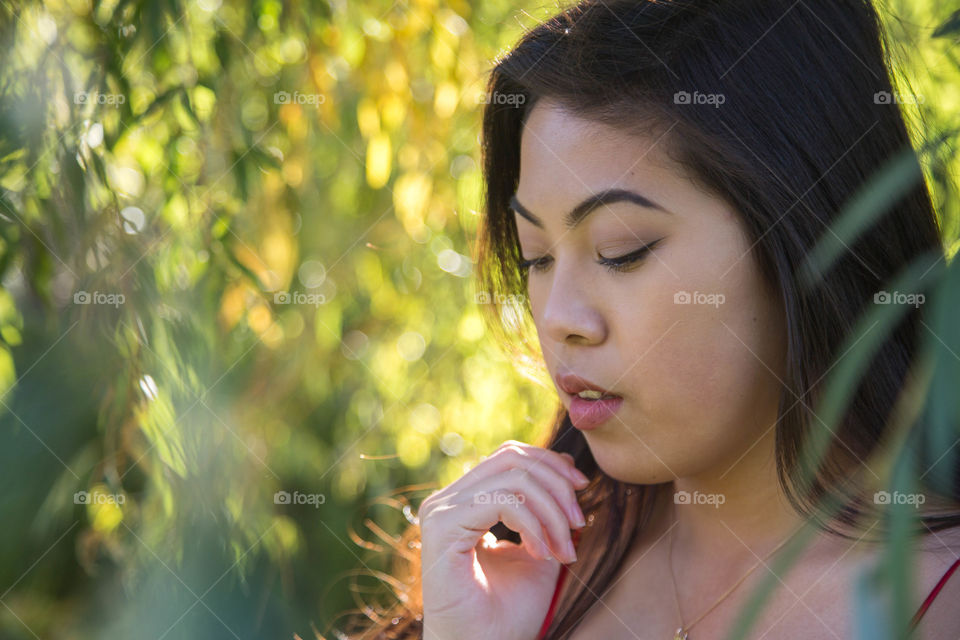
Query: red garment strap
{"points": [[553, 604], [916, 618], [933, 594], [575, 535]]}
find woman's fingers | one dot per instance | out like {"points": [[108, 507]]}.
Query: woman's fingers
{"points": [[562, 463], [457, 528], [516, 479], [562, 491], [520, 488], [532, 491], [512, 454]]}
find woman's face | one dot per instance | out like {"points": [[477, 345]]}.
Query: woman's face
{"points": [[689, 336]]}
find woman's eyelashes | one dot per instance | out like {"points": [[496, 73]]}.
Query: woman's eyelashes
{"points": [[617, 264]]}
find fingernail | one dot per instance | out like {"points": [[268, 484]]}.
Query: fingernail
{"points": [[571, 551], [578, 518], [545, 551]]}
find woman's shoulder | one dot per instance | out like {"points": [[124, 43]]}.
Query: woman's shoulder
{"points": [[939, 553], [938, 577]]}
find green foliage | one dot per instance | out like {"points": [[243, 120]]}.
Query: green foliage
{"points": [[235, 257], [922, 451], [235, 261]]}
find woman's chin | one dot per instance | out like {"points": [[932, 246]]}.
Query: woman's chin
{"points": [[625, 464]]}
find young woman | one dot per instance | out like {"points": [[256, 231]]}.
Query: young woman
{"points": [[656, 172]]}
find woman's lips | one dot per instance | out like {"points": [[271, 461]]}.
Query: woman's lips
{"points": [[573, 384], [590, 414]]}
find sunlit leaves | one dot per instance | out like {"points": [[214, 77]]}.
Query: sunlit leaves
{"points": [[950, 27], [159, 424], [411, 195], [283, 195], [379, 160]]}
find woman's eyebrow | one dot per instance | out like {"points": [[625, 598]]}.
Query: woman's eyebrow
{"points": [[582, 210]]}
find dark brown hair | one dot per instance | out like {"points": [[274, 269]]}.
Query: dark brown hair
{"points": [[804, 123]]}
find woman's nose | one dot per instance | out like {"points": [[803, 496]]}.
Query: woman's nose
{"points": [[570, 311]]}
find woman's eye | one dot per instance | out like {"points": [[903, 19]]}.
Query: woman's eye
{"points": [[620, 263], [536, 264], [624, 262]]}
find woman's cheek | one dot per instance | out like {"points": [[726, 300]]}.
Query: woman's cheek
{"points": [[688, 366]]}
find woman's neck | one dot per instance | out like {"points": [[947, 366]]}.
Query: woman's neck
{"points": [[736, 509]]}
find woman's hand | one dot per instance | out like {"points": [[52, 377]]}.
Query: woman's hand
{"points": [[477, 587]]}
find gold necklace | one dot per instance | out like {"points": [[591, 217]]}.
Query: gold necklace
{"points": [[682, 631]]}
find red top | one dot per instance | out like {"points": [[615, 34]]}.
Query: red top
{"points": [[563, 573], [933, 594], [556, 591]]}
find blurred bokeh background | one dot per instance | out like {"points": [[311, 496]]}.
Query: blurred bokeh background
{"points": [[238, 326]]}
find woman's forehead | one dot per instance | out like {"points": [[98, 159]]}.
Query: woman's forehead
{"points": [[565, 159], [569, 146]]}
